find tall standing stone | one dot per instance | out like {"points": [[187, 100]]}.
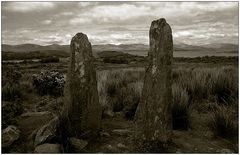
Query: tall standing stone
{"points": [[153, 115], [82, 108]]}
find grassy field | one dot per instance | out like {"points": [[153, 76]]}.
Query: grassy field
{"points": [[205, 95]]}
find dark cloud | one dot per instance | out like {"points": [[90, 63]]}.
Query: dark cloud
{"points": [[117, 22]]}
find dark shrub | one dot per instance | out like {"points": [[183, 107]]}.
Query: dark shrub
{"points": [[11, 88], [112, 87], [180, 108], [50, 60], [9, 111], [224, 122], [131, 99], [11, 92], [115, 60], [49, 83]]}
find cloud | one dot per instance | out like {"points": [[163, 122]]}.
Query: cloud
{"points": [[119, 12], [46, 22], [27, 6], [118, 22], [84, 4], [80, 20]]}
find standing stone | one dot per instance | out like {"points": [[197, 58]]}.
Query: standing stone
{"points": [[153, 115], [82, 108]]}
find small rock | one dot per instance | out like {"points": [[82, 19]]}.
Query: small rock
{"points": [[107, 114], [119, 114], [211, 149], [104, 134], [77, 144], [209, 134], [47, 132], [226, 151], [121, 131], [110, 148], [48, 148], [10, 135], [121, 146]]}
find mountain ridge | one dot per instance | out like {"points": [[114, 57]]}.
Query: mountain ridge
{"points": [[121, 47]]}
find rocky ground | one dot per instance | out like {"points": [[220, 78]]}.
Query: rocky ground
{"points": [[116, 136]]}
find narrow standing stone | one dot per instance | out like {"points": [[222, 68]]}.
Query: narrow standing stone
{"points": [[82, 108], [153, 115]]}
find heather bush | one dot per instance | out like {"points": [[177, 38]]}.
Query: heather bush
{"points": [[49, 83]]}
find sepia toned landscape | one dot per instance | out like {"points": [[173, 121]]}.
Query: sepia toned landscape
{"points": [[163, 94]]}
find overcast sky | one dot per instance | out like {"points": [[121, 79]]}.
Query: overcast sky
{"points": [[46, 23]]}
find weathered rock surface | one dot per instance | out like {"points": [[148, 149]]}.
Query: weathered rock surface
{"points": [[48, 148], [10, 135], [48, 132], [153, 115], [36, 114], [224, 151], [77, 145], [82, 108], [104, 134], [121, 132], [31, 122]]}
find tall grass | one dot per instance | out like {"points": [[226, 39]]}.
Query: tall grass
{"points": [[120, 90], [216, 84], [217, 87]]}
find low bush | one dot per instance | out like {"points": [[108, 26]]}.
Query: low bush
{"points": [[49, 83]]}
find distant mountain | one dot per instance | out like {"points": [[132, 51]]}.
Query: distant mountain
{"points": [[129, 48], [222, 47], [33, 47], [121, 47], [186, 47]]}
